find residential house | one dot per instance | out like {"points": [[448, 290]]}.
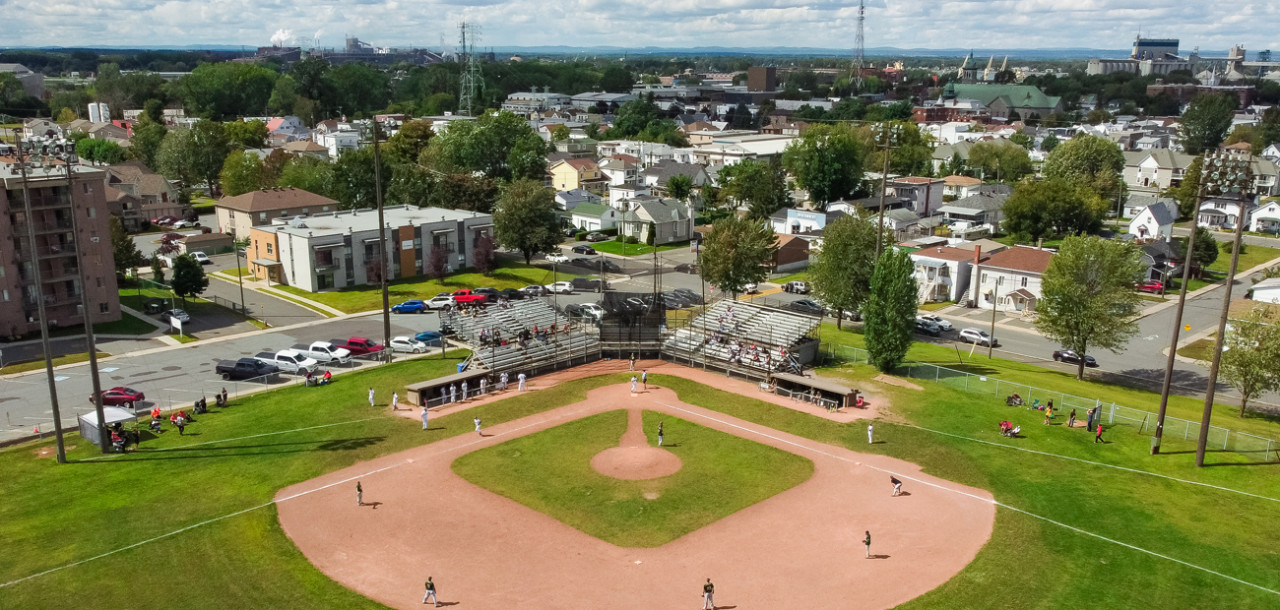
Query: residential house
{"points": [[1266, 219], [619, 170], [645, 153], [942, 272], [576, 147], [658, 175], [906, 224], [78, 126], [958, 187], [1137, 202], [790, 221], [1266, 291], [1155, 221], [982, 208], [925, 194], [43, 128], [236, 215], [109, 131], [1159, 259], [1224, 213], [792, 253], [1155, 170], [594, 217], [138, 195], [620, 197], [1010, 279], [568, 200], [342, 249], [287, 129], [1272, 153], [306, 148], [571, 174], [209, 243], [337, 141], [671, 220]]}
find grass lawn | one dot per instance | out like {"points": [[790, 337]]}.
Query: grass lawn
{"points": [[550, 471], [1035, 375], [368, 298], [1201, 350], [33, 365], [1250, 258], [799, 276], [238, 272], [128, 324], [619, 248], [935, 306], [300, 303]]}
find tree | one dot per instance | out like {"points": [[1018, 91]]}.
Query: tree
{"points": [[358, 88], [761, 185], [1088, 298], [66, 115], [1097, 116], [526, 219], [157, 269], [1270, 126], [500, 145], [737, 253], [463, 191], [207, 149], [284, 96], [1049, 208], [484, 255], [125, 251], [1049, 143], [841, 271], [680, 187], [437, 263], [99, 151], [1205, 251], [826, 160], [1250, 353], [1206, 121], [1000, 160], [174, 162], [309, 174], [889, 316], [145, 144], [188, 277], [242, 172], [1023, 140], [1090, 162], [354, 181], [560, 133], [616, 79], [225, 90], [247, 134], [1188, 192]]}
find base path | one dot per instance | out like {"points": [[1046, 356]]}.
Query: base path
{"points": [[799, 549]]}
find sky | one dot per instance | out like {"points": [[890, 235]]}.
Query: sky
{"points": [[1025, 24]]}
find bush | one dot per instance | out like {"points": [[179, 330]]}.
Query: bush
{"points": [[632, 240], [582, 235], [620, 238], [609, 231]]}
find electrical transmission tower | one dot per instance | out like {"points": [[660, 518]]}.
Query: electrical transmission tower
{"points": [[860, 42], [472, 84]]}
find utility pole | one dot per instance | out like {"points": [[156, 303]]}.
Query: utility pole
{"points": [[887, 135], [382, 242], [995, 304], [89, 339], [239, 274], [1237, 180], [23, 157]]}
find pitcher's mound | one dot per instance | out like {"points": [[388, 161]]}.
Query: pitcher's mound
{"points": [[636, 463]]}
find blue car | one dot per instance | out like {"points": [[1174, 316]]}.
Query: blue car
{"points": [[414, 306], [430, 337]]}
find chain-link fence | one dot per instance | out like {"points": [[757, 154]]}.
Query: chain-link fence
{"points": [[1175, 429]]}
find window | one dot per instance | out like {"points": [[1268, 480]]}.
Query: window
{"points": [[262, 215], [5, 294], [268, 248], [103, 308], [93, 213], [99, 282], [1024, 282], [984, 278]]}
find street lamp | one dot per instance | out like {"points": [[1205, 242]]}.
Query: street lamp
{"points": [[887, 136]]}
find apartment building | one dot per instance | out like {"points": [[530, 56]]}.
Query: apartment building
{"points": [[58, 250]]}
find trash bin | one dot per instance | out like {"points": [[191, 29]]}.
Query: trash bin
{"points": [[462, 366]]}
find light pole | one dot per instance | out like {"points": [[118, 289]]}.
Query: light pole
{"points": [[239, 270], [995, 304], [22, 159], [887, 136], [382, 239], [1234, 178]]}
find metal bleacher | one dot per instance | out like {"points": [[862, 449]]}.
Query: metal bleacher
{"points": [[742, 336], [545, 350]]}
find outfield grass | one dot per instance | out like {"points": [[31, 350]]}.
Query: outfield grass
{"points": [[621, 249], [33, 365], [369, 298], [550, 472]]}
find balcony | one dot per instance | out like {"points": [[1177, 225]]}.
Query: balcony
{"points": [[53, 300], [67, 249], [45, 226]]}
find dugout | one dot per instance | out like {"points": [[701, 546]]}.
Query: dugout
{"points": [[633, 321], [822, 391], [428, 392]]}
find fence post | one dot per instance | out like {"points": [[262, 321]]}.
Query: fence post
{"points": [[1226, 437], [1142, 427], [966, 383], [1111, 418], [1267, 456], [937, 372]]}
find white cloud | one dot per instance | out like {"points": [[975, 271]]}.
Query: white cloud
{"points": [[1103, 24]]}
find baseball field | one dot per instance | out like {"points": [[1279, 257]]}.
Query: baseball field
{"points": [[255, 507]]}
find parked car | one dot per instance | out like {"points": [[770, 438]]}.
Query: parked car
{"points": [[164, 220], [574, 311], [609, 266], [201, 258], [153, 306], [806, 306], [289, 360], [358, 346], [595, 285], [439, 301], [674, 301], [410, 306], [927, 327], [171, 237], [980, 337], [582, 249], [430, 337], [490, 294], [465, 296], [1071, 357], [585, 263], [689, 295], [687, 268], [121, 396], [796, 287], [1152, 286], [177, 314], [324, 352], [560, 288], [558, 258], [245, 368], [512, 294], [186, 224], [751, 287], [571, 231], [536, 290], [408, 345], [938, 321], [593, 310], [596, 236]]}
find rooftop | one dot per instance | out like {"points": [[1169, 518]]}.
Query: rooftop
{"points": [[946, 253], [358, 221], [1021, 258], [279, 198]]}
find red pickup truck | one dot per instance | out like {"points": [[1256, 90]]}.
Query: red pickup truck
{"points": [[466, 296], [358, 345]]}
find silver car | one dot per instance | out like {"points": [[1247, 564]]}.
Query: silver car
{"points": [[973, 335]]}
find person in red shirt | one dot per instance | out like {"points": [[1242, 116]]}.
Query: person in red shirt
{"points": [[1098, 437]]}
